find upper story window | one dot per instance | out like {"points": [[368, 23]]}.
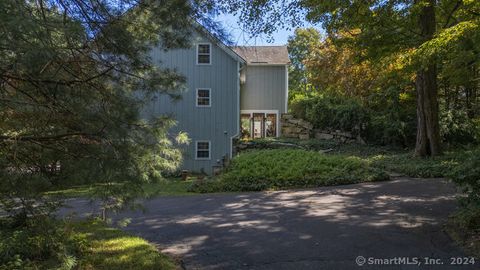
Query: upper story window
{"points": [[202, 149], [204, 54], [204, 97]]}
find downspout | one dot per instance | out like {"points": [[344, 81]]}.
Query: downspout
{"points": [[237, 134]]}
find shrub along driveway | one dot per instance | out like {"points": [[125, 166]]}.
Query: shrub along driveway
{"points": [[324, 228]]}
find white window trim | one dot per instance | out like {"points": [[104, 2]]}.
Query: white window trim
{"points": [[209, 150], [209, 98], [286, 89], [210, 55]]}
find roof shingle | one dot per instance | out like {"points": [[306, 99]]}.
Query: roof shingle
{"points": [[266, 55]]}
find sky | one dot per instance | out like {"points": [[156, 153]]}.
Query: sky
{"points": [[241, 38]]}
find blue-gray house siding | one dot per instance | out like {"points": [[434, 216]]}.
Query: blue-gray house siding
{"points": [[259, 93], [218, 123]]}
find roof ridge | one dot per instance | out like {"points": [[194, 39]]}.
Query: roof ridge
{"points": [[276, 55]]}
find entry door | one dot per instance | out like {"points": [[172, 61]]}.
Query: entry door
{"points": [[258, 125], [271, 125]]}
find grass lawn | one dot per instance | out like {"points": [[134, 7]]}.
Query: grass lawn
{"points": [[109, 248], [167, 187], [82, 245]]}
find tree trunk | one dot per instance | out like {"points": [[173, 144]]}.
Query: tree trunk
{"points": [[428, 130]]}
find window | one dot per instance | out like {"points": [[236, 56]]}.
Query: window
{"points": [[204, 54], [259, 124], [246, 125], [203, 97], [271, 125], [202, 150]]}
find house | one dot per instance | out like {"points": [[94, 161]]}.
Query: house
{"points": [[263, 90], [232, 92]]}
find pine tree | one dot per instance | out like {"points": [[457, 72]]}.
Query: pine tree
{"points": [[74, 77]]}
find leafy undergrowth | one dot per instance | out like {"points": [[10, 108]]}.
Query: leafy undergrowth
{"points": [[464, 228], [450, 165], [390, 159], [320, 145], [409, 165], [465, 224], [291, 168], [45, 243]]}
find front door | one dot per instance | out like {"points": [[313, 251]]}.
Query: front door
{"points": [[270, 125]]}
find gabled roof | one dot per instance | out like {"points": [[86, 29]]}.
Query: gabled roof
{"points": [[218, 42], [263, 55]]}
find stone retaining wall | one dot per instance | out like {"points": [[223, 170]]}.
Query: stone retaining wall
{"points": [[295, 128], [301, 129]]}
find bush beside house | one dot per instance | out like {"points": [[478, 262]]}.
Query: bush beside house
{"points": [[290, 168]]}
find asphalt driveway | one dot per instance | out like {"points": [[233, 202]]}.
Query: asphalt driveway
{"points": [[399, 223]]}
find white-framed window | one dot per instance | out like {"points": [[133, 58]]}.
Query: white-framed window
{"points": [[204, 98], [202, 150], [204, 54]]}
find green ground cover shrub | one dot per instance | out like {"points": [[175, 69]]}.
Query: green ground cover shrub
{"points": [[466, 174], [388, 158], [293, 168], [407, 164], [465, 224]]}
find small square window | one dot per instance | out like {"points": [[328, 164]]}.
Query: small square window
{"points": [[203, 98], [202, 150], [204, 54]]}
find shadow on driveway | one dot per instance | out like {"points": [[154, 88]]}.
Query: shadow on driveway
{"points": [[324, 228]]}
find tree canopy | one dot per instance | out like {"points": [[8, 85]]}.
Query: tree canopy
{"points": [[424, 38], [70, 75]]}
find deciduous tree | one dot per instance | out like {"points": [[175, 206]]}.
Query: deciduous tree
{"points": [[416, 29]]}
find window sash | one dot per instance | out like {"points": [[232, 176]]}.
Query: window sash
{"points": [[203, 93], [202, 150], [203, 146], [204, 53], [204, 49], [203, 97]]}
